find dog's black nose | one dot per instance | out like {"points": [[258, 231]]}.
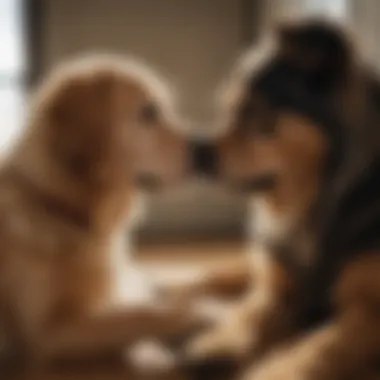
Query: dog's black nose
{"points": [[204, 158]]}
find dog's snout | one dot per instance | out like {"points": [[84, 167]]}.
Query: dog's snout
{"points": [[204, 157]]}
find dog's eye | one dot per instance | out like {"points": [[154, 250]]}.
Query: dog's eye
{"points": [[149, 113]]}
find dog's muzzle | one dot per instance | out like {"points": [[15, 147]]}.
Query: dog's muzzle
{"points": [[148, 182], [259, 183], [204, 158]]}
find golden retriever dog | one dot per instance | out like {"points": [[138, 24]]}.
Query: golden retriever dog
{"points": [[301, 142], [100, 129]]}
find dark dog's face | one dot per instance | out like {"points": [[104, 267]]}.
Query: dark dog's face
{"points": [[278, 120]]}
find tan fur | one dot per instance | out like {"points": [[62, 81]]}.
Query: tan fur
{"points": [[347, 346], [66, 192], [294, 153], [260, 318], [259, 139], [225, 281]]}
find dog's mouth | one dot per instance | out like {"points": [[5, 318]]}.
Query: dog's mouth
{"points": [[256, 184], [149, 182]]}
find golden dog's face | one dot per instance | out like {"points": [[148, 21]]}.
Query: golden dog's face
{"points": [[113, 119]]}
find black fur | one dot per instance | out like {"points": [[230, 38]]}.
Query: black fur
{"points": [[311, 71]]}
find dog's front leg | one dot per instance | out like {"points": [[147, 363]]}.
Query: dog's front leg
{"points": [[259, 320], [340, 350], [226, 281], [112, 331], [344, 349]]}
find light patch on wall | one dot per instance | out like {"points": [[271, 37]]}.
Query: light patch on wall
{"points": [[332, 8]]}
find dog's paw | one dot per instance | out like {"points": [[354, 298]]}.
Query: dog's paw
{"points": [[196, 320], [279, 367], [219, 342], [216, 354], [151, 357]]}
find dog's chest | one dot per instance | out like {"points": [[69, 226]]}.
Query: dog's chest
{"points": [[283, 234], [266, 223], [127, 279]]}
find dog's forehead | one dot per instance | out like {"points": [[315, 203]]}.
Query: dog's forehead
{"points": [[139, 80], [263, 78], [152, 85]]}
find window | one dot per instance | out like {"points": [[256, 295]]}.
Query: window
{"points": [[335, 8], [12, 65]]}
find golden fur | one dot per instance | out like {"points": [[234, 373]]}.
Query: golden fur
{"points": [[67, 191]]}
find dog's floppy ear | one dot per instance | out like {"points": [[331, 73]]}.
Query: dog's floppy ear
{"points": [[318, 48], [81, 124]]}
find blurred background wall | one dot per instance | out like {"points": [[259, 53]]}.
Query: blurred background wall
{"points": [[191, 42]]}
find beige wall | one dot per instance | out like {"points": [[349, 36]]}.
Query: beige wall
{"points": [[192, 42], [365, 17]]}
